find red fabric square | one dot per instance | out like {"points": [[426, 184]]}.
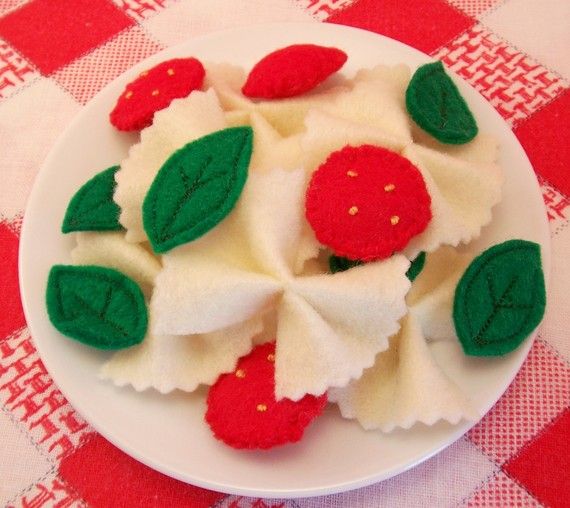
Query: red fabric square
{"points": [[105, 476], [424, 24], [544, 136], [543, 465], [12, 314], [53, 33]]}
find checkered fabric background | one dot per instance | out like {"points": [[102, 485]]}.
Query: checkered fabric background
{"points": [[55, 55]]}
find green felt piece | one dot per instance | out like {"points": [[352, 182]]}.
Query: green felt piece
{"points": [[416, 267], [197, 187], [436, 105], [500, 299], [340, 264], [92, 207], [98, 306]]}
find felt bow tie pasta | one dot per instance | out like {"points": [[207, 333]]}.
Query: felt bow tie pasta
{"points": [[329, 327]]}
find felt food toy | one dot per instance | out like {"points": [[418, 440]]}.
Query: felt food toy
{"points": [[500, 299], [366, 202], [242, 409], [406, 385], [154, 90], [246, 266], [292, 71]]}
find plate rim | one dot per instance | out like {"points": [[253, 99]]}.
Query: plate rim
{"points": [[458, 431]]}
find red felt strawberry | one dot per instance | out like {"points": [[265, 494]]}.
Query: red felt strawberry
{"points": [[154, 90], [367, 202], [242, 410], [292, 71]]}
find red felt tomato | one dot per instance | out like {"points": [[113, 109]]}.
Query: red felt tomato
{"points": [[292, 71], [154, 90], [366, 202], [242, 410]]}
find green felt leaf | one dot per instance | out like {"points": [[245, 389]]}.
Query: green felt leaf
{"points": [[98, 306], [92, 207], [436, 105], [500, 299], [416, 266], [341, 264], [197, 187]]}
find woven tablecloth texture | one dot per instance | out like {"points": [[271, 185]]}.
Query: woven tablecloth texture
{"points": [[514, 52]]}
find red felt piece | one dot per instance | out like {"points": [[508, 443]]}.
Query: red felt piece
{"points": [[104, 476], [51, 34], [12, 315], [423, 24], [543, 465], [366, 202], [154, 90], [242, 410], [292, 71]]}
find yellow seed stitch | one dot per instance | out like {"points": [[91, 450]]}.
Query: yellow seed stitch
{"points": [[353, 210], [128, 95], [261, 408], [143, 74], [155, 92], [271, 357], [394, 220], [240, 373], [352, 173], [170, 72], [390, 187]]}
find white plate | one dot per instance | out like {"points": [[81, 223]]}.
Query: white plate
{"points": [[168, 432]]}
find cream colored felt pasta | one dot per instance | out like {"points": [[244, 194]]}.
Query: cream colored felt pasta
{"points": [[166, 363], [397, 76], [270, 149], [431, 298], [183, 121], [375, 103], [227, 80], [111, 249], [237, 118], [326, 133], [332, 326], [246, 266], [462, 196], [405, 386]]}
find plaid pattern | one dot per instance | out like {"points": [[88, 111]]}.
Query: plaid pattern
{"points": [[55, 56]]}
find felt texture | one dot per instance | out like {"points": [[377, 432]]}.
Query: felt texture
{"points": [[242, 409], [405, 385], [182, 122], [462, 196], [436, 105], [416, 267], [340, 264], [92, 207], [292, 71], [98, 306], [111, 249], [367, 202], [182, 362], [154, 90], [500, 299], [197, 187], [245, 266]]}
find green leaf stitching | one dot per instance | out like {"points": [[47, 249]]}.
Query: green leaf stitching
{"points": [[341, 264], [97, 306], [436, 105], [197, 187], [92, 207], [500, 298]]}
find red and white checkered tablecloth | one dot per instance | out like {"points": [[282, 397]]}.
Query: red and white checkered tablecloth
{"points": [[515, 52]]}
